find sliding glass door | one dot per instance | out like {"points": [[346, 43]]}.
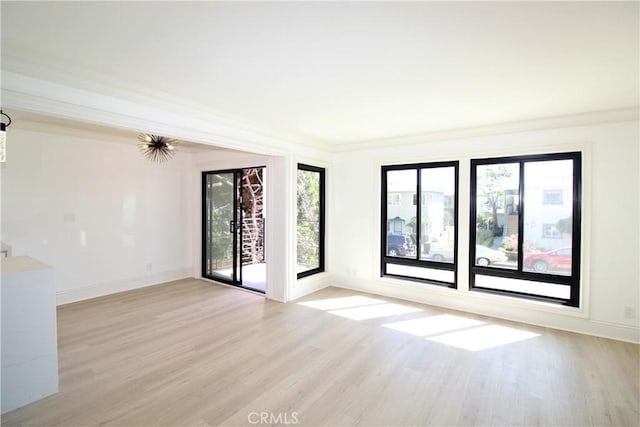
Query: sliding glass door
{"points": [[233, 227]]}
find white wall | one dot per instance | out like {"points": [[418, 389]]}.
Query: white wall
{"points": [[610, 226], [93, 208]]}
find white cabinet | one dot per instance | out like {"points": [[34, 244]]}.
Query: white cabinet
{"points": [[29, 332]]}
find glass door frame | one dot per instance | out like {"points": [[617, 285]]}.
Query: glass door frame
{"points": [[236, 277], [235, 227]]}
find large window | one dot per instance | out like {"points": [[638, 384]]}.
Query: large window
{"points": [[525, 226], [419, 217], [310, 220]]}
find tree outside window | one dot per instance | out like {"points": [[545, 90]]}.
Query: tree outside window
{"points": [[310, 220]]}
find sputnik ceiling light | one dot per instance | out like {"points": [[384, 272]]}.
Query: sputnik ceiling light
{"points": [[156, 148], [3, 137]]}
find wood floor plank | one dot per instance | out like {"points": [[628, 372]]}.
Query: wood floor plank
{"points": [[192, 353]]}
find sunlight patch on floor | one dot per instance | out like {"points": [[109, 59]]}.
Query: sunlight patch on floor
{"points": [[344, 302], [426, 326], [484, 337], [461, 332], [359, 307], [456, 331], [374, 311]]}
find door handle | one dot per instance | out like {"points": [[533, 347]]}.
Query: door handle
{"points": [[232, 226]]}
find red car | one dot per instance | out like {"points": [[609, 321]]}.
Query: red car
{"points": [[557, 259]]}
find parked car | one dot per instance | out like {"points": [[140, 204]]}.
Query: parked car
{"points": [[484, 255], [400, 245], [557, 259], [441, 255]]}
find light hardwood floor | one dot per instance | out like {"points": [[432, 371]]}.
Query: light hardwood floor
{"points": [[195, 353]]}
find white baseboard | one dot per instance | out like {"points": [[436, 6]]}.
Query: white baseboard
{"points": [[101, 289], [309, 285]]}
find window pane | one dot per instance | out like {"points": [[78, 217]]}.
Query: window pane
{"points": [[401, 213], [497, 215], [437, 218], [524, 286], [421, 272], [308, 220], [219, 213], [548, 197]]}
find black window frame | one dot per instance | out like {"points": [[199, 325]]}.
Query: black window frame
{"points": [[385, 259], [321, 249], [573, 280]]}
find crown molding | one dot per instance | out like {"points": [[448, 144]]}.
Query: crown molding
{"points": [[58, 126], [547, 123], [45, 124], [55, 100], [99, 85]]}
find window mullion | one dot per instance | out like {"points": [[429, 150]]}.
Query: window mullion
{"points": [[418, 212], [521, 209], [384, 222]]}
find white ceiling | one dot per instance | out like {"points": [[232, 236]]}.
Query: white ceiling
{"points": [[344, 72]]}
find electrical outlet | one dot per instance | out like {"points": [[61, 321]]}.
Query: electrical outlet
{"points": [[629, 312]]}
